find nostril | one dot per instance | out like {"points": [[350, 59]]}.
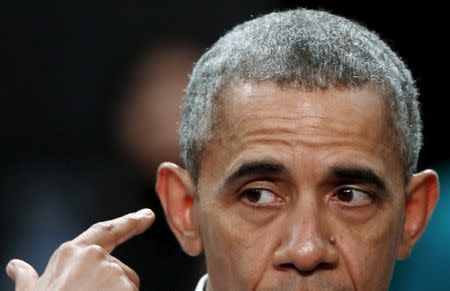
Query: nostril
{"points": [[287, 266], [292, 267]]}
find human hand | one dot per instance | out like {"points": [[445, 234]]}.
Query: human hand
{"points": [[85, 263]]}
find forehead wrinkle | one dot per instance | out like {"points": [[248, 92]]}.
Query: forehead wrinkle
{"points": [[303, 141], [298, 119], [313, 131]]}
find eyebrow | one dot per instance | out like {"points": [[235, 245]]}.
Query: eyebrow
{"points": [[255, 168], [361, 175]]}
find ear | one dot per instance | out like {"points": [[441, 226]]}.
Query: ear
{"points": [[421, 198], [176, 191]]}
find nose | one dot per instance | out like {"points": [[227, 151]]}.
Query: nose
{"points": [[306, 245]]}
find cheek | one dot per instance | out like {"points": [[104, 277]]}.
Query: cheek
{"points": [[237, 249], [368, 251]]}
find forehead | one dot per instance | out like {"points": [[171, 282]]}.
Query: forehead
{"points": [[266, 119], [258, 108], [250, 99]]}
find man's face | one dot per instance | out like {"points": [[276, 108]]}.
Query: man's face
{"points": [[300, 191]]}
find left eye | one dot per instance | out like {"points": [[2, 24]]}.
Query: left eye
{"points": [[259, 196], [353, 197]]}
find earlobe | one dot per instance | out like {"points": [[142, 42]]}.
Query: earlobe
{"points": [[176, 191], [421, 199]]}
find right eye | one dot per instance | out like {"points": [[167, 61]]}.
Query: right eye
{"points": [[260, 197]]}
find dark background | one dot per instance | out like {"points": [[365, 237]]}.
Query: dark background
{"points": [[63, 65]]}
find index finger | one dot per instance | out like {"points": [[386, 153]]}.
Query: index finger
{"points": [[111, 233]]}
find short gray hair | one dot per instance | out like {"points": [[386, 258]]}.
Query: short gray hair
{"points": [[309, 48]]}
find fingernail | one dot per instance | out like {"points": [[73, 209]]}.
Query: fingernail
{"points": [[145, 212]]}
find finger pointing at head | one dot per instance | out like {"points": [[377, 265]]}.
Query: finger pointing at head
{"points": [[109, 234], [23, 275]]}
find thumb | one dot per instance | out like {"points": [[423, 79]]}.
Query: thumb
{"points": [[23, 275]]}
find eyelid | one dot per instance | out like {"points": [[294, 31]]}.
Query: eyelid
{"points": [[244, 189], [258, 183], [277, 200]]}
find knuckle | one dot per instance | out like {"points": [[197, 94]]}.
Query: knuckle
{"points": [[114, 270], [133, 220], [94, 251], [105, 226], [66, 249]]}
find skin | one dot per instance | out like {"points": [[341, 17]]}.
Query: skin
{"points": [[308, 134], [296, 191], [321, 203]]}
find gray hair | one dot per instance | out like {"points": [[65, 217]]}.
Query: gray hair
{"points": [[309, 48]]}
